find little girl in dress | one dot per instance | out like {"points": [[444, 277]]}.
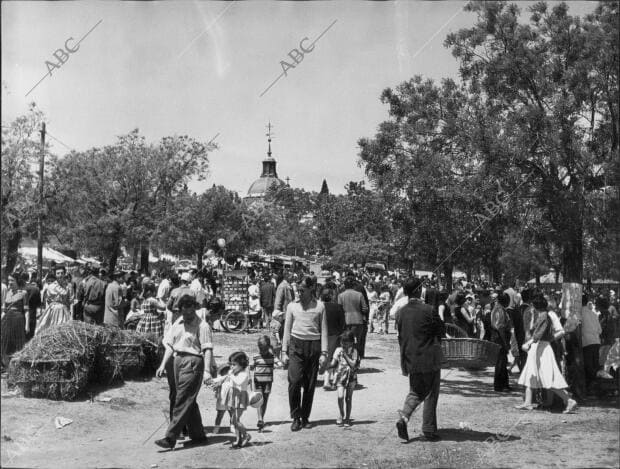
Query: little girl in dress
{"points": [[347, 362], [234, 394]]}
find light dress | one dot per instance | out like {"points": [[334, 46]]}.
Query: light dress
{"points": [[57, 300], [541, 369]]}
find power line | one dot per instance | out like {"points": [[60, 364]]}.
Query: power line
{"points": [[62, 143]]}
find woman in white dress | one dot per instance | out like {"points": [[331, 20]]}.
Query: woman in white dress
{"points": [[541, 369], [57, 297]]}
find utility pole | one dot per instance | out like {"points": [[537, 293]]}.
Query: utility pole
{"points": [[40, 217]]}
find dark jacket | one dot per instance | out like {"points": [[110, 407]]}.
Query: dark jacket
{"points": [[335, 318], [267, 294], [419, 334]]}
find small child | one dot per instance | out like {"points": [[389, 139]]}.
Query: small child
{"points": [[236, 398], [346, 361], [135, 312], [263, 375], [274, 327], [221, 386]]}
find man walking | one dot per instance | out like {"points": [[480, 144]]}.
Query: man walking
{"points": [[355, 311], [305, 342], [189, 340], [419, 336]]}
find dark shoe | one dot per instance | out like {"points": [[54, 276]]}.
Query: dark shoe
{"points": [[296, 425], [401, 426], [166, 443], [260, 425], [305, 423], [431, 437]]}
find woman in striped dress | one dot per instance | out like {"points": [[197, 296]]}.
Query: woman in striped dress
{"points": [[152, 321], [15, 324], [57, 297]]}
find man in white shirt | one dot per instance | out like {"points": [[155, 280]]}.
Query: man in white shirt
{"points": [[163, 290]]}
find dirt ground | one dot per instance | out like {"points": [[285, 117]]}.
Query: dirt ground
{"points": [[478, 427]]}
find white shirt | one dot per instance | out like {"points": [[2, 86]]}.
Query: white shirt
{"points": [[253, 290], [195, 285], [163, 291]]}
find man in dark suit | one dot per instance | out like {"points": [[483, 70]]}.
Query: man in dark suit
{"points": [[419, 335]]}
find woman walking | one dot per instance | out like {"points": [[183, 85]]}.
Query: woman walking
{"points": [[541, 369], [305, 342], [15, 320]]}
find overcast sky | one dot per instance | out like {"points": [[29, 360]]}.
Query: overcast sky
{"points": [[199, 69]]}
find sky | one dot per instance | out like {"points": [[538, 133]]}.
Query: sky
{"points": [[204, 69]]}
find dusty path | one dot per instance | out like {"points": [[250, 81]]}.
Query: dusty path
{"points": [[120, 433]]}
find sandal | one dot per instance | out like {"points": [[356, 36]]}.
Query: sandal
{"points": [[339, 421]]}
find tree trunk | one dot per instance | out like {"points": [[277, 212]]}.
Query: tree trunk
{"points": [[12, 248], [113, 259], [199, 260], [134, 257], [144, 259], [572, 270], [447, 271]]}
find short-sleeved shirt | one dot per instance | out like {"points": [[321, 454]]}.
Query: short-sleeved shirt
{"points": [[263, 368], [192, 337]]}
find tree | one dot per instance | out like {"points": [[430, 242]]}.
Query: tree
{"points": [[195, 222], [324, 188], [118, 195], [553, 83], [425, 164], [19, 203]]}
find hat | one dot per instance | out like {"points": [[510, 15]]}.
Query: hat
{"points": [[186, 277]]}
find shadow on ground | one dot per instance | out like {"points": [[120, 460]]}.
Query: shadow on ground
{"points": [[457, 434]]}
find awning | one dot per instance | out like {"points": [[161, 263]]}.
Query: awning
{"points": [[49, 254]]}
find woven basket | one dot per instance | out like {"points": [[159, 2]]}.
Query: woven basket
{"points": [[455, 331], [468, 353]]}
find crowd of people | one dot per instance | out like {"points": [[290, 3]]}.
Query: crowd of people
{"points": [[315, 329]]}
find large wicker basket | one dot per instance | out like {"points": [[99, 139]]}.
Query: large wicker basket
{"points": [[460, 351]]}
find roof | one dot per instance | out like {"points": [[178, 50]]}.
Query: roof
{"points": [[260, 187]]}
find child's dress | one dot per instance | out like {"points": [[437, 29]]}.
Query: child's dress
{"points": [[345, 375], [221, 391], [152, 322], [236, 396]]}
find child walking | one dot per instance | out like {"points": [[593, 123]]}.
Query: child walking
{"points": [[346, 361], [263, 375], [237, 396], [221, 386]]}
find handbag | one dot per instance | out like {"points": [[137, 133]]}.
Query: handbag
{"points": [[255, 398]]}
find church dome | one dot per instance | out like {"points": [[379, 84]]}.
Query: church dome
{"points": [[269, 176], [260, 187]]}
